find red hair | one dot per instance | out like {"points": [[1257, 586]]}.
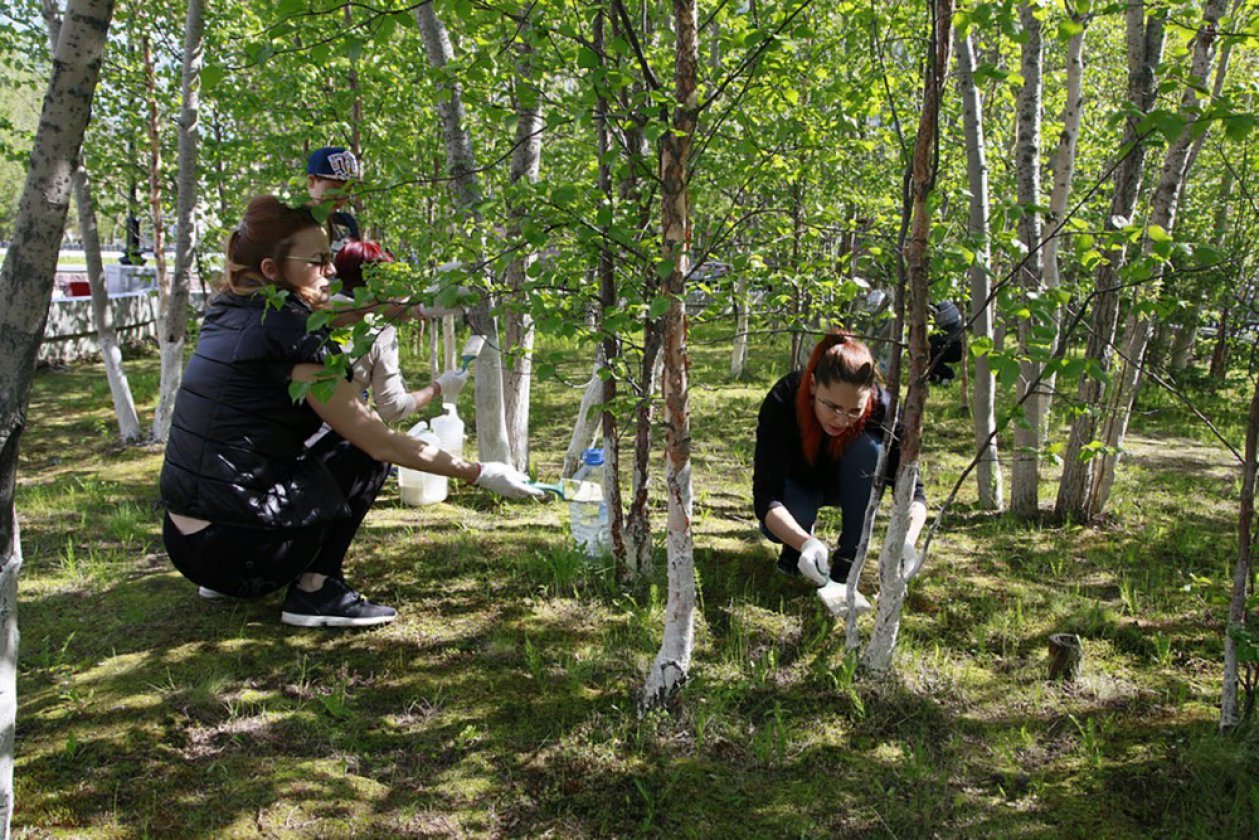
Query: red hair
{"points": [[838, 357], [355, 254]]}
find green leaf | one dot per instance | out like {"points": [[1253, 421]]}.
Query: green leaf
{"points": [[1158, 234], [1239, 126], [659, 306], [211, 75], [587, 59], [1068, 29]]}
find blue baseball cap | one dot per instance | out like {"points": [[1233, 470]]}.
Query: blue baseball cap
{"points": [[334, 162]]}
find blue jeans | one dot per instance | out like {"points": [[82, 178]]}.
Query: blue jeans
{"points": [[847, 487]]}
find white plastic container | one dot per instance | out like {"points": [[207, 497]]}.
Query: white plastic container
{"points": [[589, 520], [449, 430], [421, 488]]}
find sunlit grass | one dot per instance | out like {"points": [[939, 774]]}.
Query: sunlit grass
{"points": [[502, 702]]}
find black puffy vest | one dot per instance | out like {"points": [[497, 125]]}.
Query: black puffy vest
{"points": [[237, 448]]}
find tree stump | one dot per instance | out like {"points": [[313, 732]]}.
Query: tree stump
{"points": [[1066, 652]]}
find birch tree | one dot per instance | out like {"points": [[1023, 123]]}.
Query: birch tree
{"points": [[1063, 168], [609, 300], [174, 320], [1144, 39], [983, 410], [1156, 241], [491, 420], [518, 327], [638, 528], [161, 420], [26, 283], [1237, 633], [672, 663], [1025, 474], [102, 312], [893, 582]]}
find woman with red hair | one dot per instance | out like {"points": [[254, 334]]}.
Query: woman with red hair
{"points": [[818, 439]]}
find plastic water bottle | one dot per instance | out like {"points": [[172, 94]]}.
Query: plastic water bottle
{"points": [[589, 520], [421, 488]]}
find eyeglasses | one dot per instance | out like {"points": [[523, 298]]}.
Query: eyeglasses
{"points": [[840, 411], [323, 260]]}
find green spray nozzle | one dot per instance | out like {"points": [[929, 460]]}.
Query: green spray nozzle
{"points": [[471, 349], [572, 490]]}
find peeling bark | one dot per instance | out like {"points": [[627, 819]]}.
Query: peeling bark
{"points": [[877, 656], [672, 663]]}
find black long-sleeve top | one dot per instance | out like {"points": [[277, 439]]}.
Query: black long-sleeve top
{"points": [[780, 452]]}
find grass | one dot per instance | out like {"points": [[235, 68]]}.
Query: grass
{"points": [[501, 703]]}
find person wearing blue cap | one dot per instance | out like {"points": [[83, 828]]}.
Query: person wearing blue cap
{"points": [[329, 173]]}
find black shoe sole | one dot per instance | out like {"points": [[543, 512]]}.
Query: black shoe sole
{"points": [[307, 620]]}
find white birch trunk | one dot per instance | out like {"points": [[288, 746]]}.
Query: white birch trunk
{"points": [[672, 664], [1182, 346], [102, 314], [1063, 168], [1144, 48], [1025, 475], [166, 389], [984, 416], [584, 429], [739, 354], [893, 584], [26, 284], [518, 327], [1163, 214], [174, 321], [878, 653], [491, 418], [450, 339]]}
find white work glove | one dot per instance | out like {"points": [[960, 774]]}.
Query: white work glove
{"points": [[911, 560], [813, 563], [507, 481], [451, 383]]}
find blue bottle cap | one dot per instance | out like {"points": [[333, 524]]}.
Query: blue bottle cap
{"points": [[592, 457]]}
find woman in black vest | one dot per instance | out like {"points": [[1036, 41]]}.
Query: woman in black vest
{"points": [[818, 438], [255, 499]]}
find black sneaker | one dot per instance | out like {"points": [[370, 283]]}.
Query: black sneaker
{"points": [[333, 605]]}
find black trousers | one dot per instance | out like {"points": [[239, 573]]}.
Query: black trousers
{"points": [[247, 562]]}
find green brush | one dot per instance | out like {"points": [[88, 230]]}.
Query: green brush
{"points": [[572, 490]]}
